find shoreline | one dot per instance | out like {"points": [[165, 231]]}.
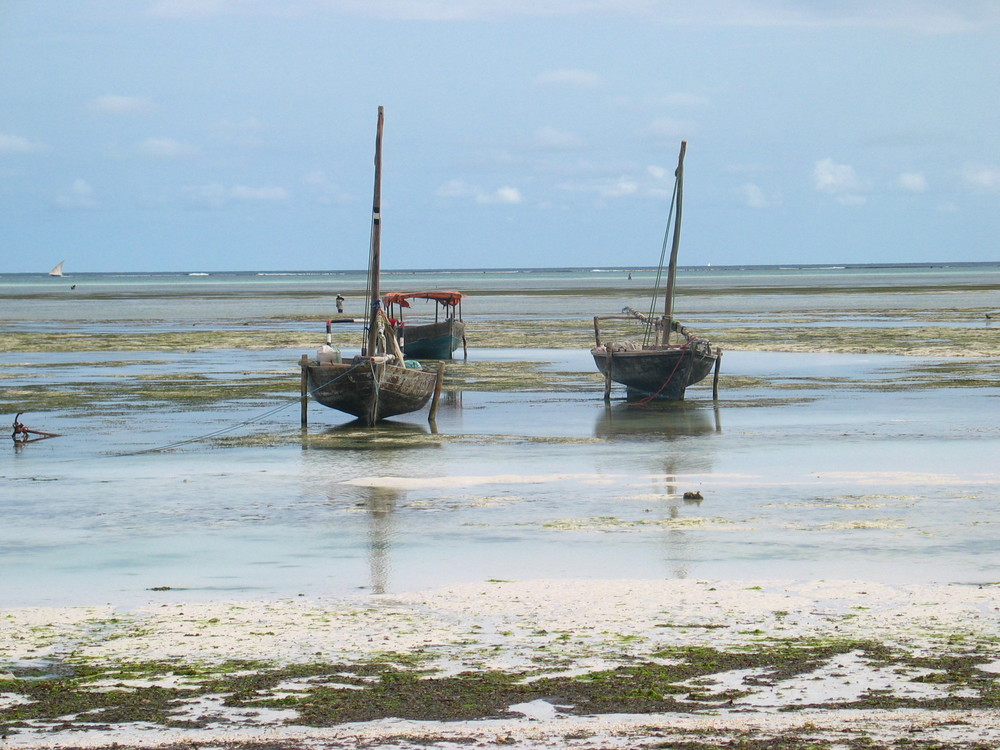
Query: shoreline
{"points": [[806, 730], [793, 658]]}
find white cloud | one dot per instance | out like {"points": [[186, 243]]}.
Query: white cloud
{"points": [[982, 177], [657, 173], [198, 8], [834, 178], [80, 196], [462, 189], [668, 128], [583, 79], [620, 188], [623, 186], [167, 148], [214, 195], [15, 144], [121, 105], [455, 189], [271, 193], [394, 10], [550, 138], [505, 194], [919, 16], [912, 182], [838, 180], [753, 196], [323, 189]]}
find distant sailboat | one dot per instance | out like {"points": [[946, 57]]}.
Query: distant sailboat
{"points": [[57, 271]]}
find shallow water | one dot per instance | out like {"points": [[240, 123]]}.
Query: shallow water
{"points": [[818, 468], [80, 298], [188, 470]]}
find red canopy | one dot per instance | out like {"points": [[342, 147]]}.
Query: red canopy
{"points": [[400, 298]]}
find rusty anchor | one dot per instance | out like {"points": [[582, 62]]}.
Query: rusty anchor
{"points": [[23, 434]]}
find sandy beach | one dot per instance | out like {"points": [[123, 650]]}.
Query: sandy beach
{"points": [[886, 665]]}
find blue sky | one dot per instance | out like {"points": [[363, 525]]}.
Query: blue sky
{"points": [[190, 135]]}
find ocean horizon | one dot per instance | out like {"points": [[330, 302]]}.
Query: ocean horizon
{"points": [[518, 269]]}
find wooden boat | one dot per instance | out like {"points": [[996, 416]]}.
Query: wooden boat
{"points": [[437, 340], [657, 367], [57, 271], [379, 383]]}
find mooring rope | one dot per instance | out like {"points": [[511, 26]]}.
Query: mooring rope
{"points": [[647, 399], [292, 400], [659, 269]]}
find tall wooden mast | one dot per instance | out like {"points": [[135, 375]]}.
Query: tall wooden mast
{"points": [[668, 298], [374, 261]]}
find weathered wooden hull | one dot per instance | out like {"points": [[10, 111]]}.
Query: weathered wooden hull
{"points": [[433, 340], [660, 372], [370, 391]]}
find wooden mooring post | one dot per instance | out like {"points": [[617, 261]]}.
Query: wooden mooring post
{"points": [[304, 365], [438, 385], [607, 375], [715, 377]]}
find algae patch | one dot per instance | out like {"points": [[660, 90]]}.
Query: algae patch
{"points": [[613, 523], [688, 679]]}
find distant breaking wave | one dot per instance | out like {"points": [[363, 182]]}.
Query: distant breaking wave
{"points": [[812, 268], [305, 273]]}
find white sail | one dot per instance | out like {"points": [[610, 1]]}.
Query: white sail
{"points": [[57, 271]]}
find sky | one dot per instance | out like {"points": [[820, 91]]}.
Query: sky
{"points": [[238, 135]]}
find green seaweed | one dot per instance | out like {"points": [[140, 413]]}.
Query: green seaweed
{"points": [[402, 686]]}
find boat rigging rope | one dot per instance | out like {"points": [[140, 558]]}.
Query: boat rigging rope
{"points": [[375, 383], [291, 401], [659, 270]]}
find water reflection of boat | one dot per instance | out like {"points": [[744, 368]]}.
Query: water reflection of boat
{"points": [[379, 383], [653, 423], [380, 505], [429, 340], [657, 368], [354, 436]]}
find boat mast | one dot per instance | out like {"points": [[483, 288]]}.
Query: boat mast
{"points": [[668, 298], [374, 267]]}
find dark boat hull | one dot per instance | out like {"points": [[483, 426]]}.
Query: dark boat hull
{"points": [[433, 340], [370, 391], [660, 372]]}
